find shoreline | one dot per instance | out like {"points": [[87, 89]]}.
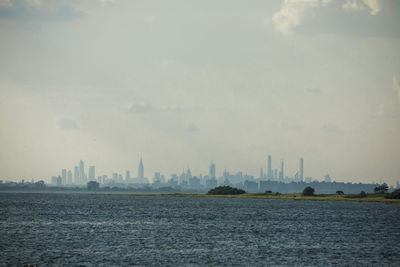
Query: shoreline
{"points": [[378, 199]]}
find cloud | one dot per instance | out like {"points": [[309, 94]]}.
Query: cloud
{"points": [[67, 124], [38, 10], [359, 5], [294, 12], [141, 108]]}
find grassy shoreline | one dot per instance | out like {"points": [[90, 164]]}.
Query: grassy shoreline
{"points": [[327, 197]]}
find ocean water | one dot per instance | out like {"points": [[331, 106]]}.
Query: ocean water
{"points": [[117, 230]]}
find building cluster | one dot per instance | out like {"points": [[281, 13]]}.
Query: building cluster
{"points": [[185, 180]]}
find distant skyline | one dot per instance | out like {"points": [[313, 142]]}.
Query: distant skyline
{"points": [[187, 83]]}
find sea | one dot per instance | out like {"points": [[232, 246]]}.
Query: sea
{"points": [[79, 229]]}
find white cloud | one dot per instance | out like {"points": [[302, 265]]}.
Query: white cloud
{"points": [[359, 5], [294, 12]]}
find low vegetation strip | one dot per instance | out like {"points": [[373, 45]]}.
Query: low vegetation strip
{"points": [[321, 197]]}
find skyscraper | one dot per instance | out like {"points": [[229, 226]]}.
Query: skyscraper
{"points": [[76, 175], [282, 173], [301, 169], [82, 176], [141, 169], [69, 177], [212, 170], [63, 176], [127, 176], [269, 169], [92, 173]]}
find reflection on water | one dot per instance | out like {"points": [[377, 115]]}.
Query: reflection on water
{"points": [[92, 230]]}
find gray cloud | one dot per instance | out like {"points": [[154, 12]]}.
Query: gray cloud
{"points": [[38, 10], [67, 124], [141, 108]]}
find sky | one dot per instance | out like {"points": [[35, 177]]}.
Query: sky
{"points": [[184, 83]]}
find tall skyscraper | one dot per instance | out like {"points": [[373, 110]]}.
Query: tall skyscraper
{"points": [[127, 176], [69, 177], [76, 175], [141, 169], [212, 170], [63, 176], [301, 169], [82, 176], [269, 169], [282, 172], [92, 174]]}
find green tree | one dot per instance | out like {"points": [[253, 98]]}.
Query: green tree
{"points": [[339, 192], [381, 189], [308, 191], [363, 194]]}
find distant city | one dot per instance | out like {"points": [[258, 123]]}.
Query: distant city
{"points": [[272, 179]]}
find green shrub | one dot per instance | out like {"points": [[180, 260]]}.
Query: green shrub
{"points": [[308, 191], [225, 190], [363, 194], [395, 194]]}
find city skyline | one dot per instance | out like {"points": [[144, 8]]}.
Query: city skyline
{"points": [[186, 83], [271, 174]]}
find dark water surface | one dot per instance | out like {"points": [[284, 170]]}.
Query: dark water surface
{"points": [[93, 230]]}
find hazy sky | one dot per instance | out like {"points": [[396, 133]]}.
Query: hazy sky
{"points": [[185, 83]]}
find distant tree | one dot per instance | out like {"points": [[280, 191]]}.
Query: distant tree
{"points": [[308, 191], [268, 192], [339, 192], [225, 190], [381, 189], [363, 194], [92, 185], [395, 194]]}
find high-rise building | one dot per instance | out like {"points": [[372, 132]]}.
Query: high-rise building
{"points": [[127, 176], [301, 169], [76, 175], [269, 168], [276, 174], [82, 176], [63, 176], [141, 169], [92, 174], [212, 170], [69, 177], [261, 173], [282, 172]]}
